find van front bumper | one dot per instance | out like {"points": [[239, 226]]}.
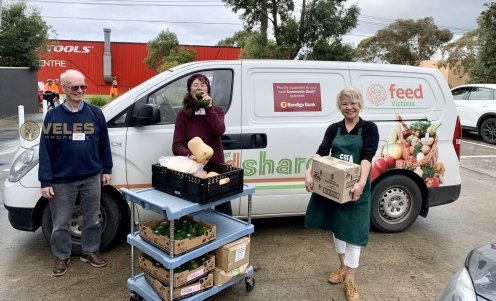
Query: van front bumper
{"points": [[21, 218], [21, 203]]}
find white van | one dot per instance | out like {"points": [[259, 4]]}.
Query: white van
{"points": [[276, 116]]}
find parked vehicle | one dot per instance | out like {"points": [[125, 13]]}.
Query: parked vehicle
{"points": [[476, 105], [276, 115], [476, 280]]}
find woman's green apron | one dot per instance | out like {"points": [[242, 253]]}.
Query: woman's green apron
{"points": [[350, 221]]}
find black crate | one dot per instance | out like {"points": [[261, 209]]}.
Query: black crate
{"points": [[198, 190]]}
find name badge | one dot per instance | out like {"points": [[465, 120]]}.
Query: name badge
{"points": [[78, 136], [201, 111]]}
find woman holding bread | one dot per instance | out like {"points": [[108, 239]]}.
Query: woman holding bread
{"points": [[200, 118]]}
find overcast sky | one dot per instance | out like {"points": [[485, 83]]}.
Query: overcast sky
{"points": [[205, 22]]}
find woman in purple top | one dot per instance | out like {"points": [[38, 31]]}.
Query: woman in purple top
{"points": [[206, 123]]}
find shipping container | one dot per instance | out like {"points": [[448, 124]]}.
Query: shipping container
{"points": [[127, 62]]}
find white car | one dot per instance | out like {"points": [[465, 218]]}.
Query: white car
{"points": [[476, 280], [476, 104]]}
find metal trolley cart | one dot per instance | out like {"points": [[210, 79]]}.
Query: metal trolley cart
{"points": [[228, 229]]}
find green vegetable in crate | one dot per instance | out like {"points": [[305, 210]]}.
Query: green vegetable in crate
{"points": [[178, 236], [201, 231], [203, 260], [179, 269], [191, 232], [193, 265]]}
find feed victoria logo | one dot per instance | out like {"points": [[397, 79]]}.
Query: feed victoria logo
{"points": [[376, 94], [402, 96]]}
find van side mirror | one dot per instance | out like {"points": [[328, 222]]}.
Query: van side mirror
{"points": [[148, 114]]}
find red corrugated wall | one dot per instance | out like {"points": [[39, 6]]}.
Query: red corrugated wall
{"points": [[127, 62]]}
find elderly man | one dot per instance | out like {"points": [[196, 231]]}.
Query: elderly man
{"points": [[75, 159]]}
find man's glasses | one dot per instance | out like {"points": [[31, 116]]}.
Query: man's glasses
{"points": [[76, 88]]}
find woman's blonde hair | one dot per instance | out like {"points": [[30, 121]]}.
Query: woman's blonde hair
{"points": [[350, 92]]}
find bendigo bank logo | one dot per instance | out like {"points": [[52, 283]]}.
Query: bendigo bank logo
{"points": [[58, 130]]}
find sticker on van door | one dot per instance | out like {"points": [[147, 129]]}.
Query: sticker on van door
{"points": [[402, 95], [297, 97]]}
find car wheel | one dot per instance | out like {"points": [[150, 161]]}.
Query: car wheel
{"points": [[487, 130], [110, 219], [396, 202]]}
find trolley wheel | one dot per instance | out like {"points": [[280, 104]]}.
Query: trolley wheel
{"points": [[135, 297], [250, 283]]}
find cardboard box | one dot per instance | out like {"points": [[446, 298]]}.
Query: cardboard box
{"points": [[180, 292], [333, 178], [233, 255], [149, 266], [221, 277], [180, 246]]}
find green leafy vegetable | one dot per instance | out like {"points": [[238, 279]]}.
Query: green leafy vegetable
{"points": [[428, 171]]}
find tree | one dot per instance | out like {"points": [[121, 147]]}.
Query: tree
{"points": [[461, 54], [484, 69], [325, 23], [237, 40], [164, 52], [319, 27], [405, 42], [22, 34]]}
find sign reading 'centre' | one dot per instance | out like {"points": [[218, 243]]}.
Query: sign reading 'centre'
{"points": [[294, 97]]}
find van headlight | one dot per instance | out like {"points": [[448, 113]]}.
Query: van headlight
{"points": [[23, 164]]}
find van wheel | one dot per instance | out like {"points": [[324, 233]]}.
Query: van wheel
{"points": [[396, 202], [487, 130], [110, 219]]}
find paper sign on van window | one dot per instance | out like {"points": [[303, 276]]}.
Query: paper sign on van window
{"points": [[401, 94], [294, 97]]}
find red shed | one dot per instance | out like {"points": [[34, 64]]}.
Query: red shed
{"points": [[126, 62]]}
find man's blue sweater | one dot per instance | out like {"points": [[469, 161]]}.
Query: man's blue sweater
{"points": [[73, 145]]}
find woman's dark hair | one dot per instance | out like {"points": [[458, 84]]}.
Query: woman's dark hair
{"points": [[190, 105]]}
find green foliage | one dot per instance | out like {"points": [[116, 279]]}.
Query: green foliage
{"points": [[256, 47], [237, 40], [326, 22], [406, 42], [316, 35], [176, 57], [164, 52], [97, 100], [461, 54], [22, 34], [484, 69]]}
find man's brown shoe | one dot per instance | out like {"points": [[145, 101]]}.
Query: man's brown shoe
{"points": [[95, 259], [60, 267], [337, 276], [351, 291]]}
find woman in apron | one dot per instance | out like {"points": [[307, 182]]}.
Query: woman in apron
{"points": [[355, 140]]}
